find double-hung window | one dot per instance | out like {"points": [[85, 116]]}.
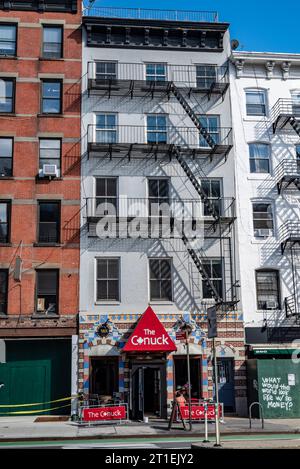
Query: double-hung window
{"points": [[296, 102], [50, 154], [256, 103], [7, 91], [212, 189], [160, 279], [51, 97], [158, 195], [6, 154], [205, 76], [4, 221], [106, 128], [212, 126], [262, 219], [49, 222], [3, 290], [107, 280], [52, 42], [106, 70], [8, 39], [106, 196], [259, 154], [156, 129], [267, 289], [214, 270], [156, 72], [47, 286]]}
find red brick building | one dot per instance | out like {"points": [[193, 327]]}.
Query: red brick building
{"points": [[40, 89]]}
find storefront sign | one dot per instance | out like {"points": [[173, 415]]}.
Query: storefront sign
{"points": [[98, 414], [198, 412], [149, 336]]}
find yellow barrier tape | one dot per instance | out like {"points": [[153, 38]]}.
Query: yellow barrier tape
{"points": [[40, 403], [22, 412]]}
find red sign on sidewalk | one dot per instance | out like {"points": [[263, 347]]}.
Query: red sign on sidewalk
{"points": [[198, 412], [149, 335], [104, 413]]}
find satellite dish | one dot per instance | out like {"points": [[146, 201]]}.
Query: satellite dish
{"points": [[234, 44]]}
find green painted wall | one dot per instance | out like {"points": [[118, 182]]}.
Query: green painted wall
{"points": [[276, 385], [36, 371]]}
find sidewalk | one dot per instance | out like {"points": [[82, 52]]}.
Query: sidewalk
{"points": [[14, 428]]}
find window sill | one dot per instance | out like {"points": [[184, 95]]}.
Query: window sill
{"points": [[47, 245], [50, 115], [6, 178], [7, 245], [259, 176], [7, 114], [45, 316], [8, 57], [162, 302], [263, 240], [48, 178], [106, 302], [45, 59]]}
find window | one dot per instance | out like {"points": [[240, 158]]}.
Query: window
{"points": [[7, 95], [262, 218], [158, 194], [213, 268], [267, 288], [156, 72], [50, 153], [212, 125], [3, 291], [212, 189], [8, 35], [298, 157], [52, 42], [205, 76], [51, 97], [256, 103], [4, 221], [156, 129], [6, 153], [108, 274], [259, 157], [106, 128], [106, 196], [49, 222], [106, 70], [47, 291], [296, 102], [160, 279]]}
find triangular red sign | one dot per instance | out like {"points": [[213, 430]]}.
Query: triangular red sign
{"points": [[149, 335]]}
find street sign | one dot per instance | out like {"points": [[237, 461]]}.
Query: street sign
{"points": [[180, 335], [99, 414]]}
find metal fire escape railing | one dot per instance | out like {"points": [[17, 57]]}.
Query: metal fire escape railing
{"points": [[151, 14], [287, 172], [289, 233], [285, 114]]}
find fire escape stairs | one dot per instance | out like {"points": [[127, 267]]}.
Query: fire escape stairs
{"points": [[295, 124]]}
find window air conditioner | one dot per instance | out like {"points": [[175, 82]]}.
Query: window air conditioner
{"points": [[50, 170], [271, 304], [41, 304], [263, 233]]}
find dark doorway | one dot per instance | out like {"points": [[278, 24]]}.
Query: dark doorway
{"points": [[152, 392], [181, 378], [104, 376], [226, 383]]}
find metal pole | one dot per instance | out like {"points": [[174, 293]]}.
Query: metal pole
{"points": [[216, 394], [189, 376], [206, 440]]}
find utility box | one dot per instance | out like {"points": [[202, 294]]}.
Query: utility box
{"points": [[275, 385]]}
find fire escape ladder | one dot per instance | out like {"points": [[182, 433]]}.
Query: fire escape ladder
{"points": [[198, 261], [295, 124], [181, 99], [195, 183]]}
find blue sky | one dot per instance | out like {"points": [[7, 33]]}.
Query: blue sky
{"points": [[259, 25]]}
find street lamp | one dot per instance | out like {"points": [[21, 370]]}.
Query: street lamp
{"points": [[187, 329]]}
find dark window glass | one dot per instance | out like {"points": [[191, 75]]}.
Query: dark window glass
{"points": [[158, 195], [3, 291], [256, 103], [51, 97], [157, 129], [6, 95], [298, 157], [8, 34], [160, 279], [205, 76], [49, 222], [106, 128], [47, 291], [213, 268], [212, 125], [52, 42], [267, 287], [106, 70], [4, 221], [296, 103], [259, 157], [6, 153], [108, 280], [262, 217], [156, 72], [106, 196], [50, 153], [212, 189]]}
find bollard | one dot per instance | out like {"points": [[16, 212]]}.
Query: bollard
{"points": [[218, 442], [206, 440]]}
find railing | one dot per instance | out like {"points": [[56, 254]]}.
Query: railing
{"points": [[291, 306], [192, 76], [151, 14], [290, 231], [178, 209], [287, 168], [185, 137], [285, 107]]}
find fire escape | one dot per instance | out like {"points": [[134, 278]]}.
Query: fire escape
{"points": [[286, 118], [181, 142]]}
